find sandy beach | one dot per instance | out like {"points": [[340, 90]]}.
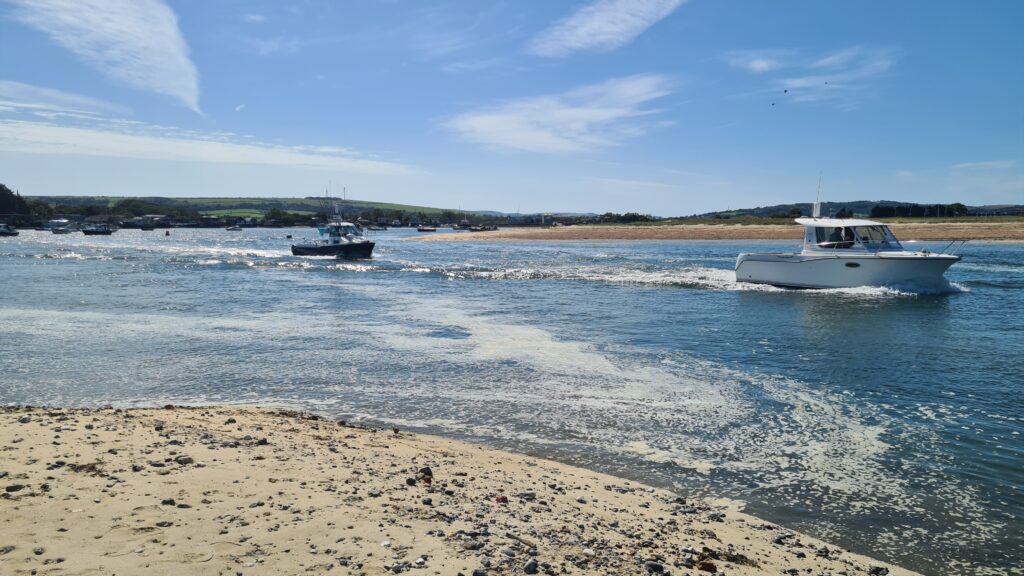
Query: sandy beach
{"points": [[227, 490], [916, 231]]}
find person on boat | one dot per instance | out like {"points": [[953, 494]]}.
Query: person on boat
{"points": [[848, 238], [836, 237]]}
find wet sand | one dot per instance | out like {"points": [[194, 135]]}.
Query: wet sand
{"points": [[1013, 231], [228, 490]]}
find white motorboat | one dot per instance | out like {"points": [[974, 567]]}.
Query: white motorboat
{"points": [[844, 253], [59, 226]]}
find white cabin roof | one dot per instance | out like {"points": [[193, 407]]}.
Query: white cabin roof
{"points": [[837, 222]]}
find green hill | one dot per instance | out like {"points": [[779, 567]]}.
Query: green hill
{"points": [[221, 206]]}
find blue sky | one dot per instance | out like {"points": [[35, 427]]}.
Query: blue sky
{"points": [[659, 106]]}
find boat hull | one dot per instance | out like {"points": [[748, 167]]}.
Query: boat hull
{"points": [[351, 250], [841, 271], [97, 232]]}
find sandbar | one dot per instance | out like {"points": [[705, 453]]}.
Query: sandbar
{"points": [[245, 491], [1005, 231]]}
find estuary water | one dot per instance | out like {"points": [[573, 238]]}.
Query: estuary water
{"points": [[887, 420]]}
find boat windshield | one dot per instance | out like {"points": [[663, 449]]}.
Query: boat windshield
{"points": [[877, 238], [865, 237], [341, 230]]}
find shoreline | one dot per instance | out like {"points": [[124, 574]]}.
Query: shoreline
{"points": [[227, 489], [939, 231]]}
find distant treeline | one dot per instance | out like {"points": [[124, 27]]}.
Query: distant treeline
{"points": [[215, 211], [273, 211], [866, 208], [919, 210]]}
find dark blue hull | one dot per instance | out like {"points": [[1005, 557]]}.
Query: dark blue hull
{"points": [[355, 250]]}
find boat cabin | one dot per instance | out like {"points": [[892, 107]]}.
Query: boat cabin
{"points": [[336, 231], [830, 234]]}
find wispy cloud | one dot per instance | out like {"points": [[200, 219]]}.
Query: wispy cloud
{"points": [[758, 61], [26, 97], [136, 42], [253, 18], [587, 118], [277, 45], [601, 26], [240, 107], [839, 60], [626, 184], [436, 31], [985, 165], [470, 65], [287, 44], [841, 77], [131, 139], [837, 76]]}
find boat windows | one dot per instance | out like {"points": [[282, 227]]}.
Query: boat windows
{"points": [[834, 237], [877, 238]]}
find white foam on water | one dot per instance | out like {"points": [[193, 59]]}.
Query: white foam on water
{"points": [[676, 457], [997, 268], [803, 442], [684, 276], [687, 276]]}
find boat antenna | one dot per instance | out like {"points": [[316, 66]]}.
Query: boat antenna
{"points": [[816, 209]]}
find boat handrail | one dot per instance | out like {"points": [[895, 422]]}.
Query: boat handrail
{"points": [[959, 242]]}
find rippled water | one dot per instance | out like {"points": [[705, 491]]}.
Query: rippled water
{"points": [[886, 419]]}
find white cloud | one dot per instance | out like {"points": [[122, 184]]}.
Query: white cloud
{"points": [[601, 26], [985, 165], [136, 42], [758, 61], [240, 107], [26, 97], [254, 18], [129, 139], [591, 117]]}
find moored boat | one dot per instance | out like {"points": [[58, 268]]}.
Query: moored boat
{"points": [[58, 226], [6, 230], [98, 230], [426, 229], [344, 240], [844, 253]]}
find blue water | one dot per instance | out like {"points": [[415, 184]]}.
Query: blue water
{"points": [[888, 420]]}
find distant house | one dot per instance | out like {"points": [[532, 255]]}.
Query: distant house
{"points": [[212, 222], [103, 219]]}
